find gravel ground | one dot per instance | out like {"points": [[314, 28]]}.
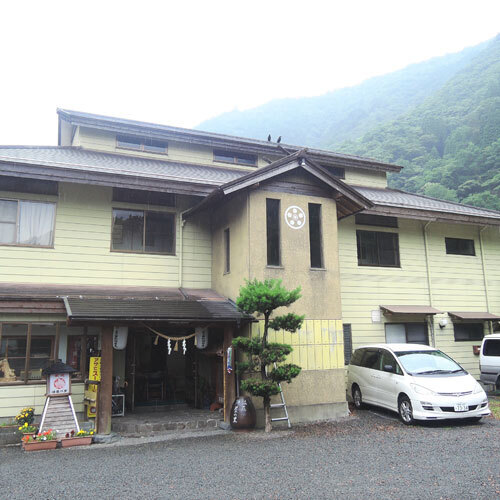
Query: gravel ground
{"points": [[369, 455]]}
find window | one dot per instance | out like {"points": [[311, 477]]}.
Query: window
{"points": [[273, 232], [227, 251], [27, 223], [24, 355], [468, 331], [459, 246], [80, 349], [406, 333], [22, 185], [143, 231], [144, 197], [234, 157], [378, 249], [371, 359], [315, 238], [145, 144], [347, 343], [376, 220], [338, 172], [389, 360], [491, 347], [357, 357]]}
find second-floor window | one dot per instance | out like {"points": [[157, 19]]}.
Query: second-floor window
{"points": [[27, 223], [146, 144], [459, 246], [273, 232], [315, 237], [234, 157], [378, 248], [143, 231]]}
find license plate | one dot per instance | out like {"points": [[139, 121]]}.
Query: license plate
{"points": [[461, 407]]}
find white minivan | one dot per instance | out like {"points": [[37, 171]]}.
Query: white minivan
{"points": [[417, 381], [489, 360]]}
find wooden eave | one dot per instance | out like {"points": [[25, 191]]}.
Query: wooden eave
{"points": [[431, 215], [115, 179]]}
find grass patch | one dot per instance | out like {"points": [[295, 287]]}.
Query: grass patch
{"points": [[7, 424], [495, 408]]}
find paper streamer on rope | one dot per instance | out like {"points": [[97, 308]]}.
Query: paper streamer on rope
{"points": [[169, 346], [229, 357], [184, 348]]}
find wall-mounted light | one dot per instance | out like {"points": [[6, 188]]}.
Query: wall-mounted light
{"points": [[442, 323]]}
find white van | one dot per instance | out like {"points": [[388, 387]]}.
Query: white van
{"points": [[417, 381], [489, 360]]}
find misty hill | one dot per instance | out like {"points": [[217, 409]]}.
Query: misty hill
{"points": [[328, 120], [450, 143]]}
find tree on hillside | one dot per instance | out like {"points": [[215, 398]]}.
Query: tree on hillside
{"points": [[263, 298]]}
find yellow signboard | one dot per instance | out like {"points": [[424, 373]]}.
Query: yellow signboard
{"points": [[91, 393]]}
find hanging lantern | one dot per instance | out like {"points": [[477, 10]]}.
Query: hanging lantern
{"points": [[120, 334], [201, 339]]}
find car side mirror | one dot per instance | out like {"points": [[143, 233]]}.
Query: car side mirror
{"points": [[389, 368]]}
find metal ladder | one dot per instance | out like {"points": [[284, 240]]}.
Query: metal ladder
{"points": [[281, 405]]}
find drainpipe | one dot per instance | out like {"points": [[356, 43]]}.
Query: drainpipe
{"points": [[430, 318], [483, 264], [181, 245]]}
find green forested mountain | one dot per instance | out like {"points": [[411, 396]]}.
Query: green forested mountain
{"points": [[450, 143], [328, 120]]}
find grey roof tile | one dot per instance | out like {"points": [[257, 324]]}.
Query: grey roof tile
{"points": [[397, 198], [78, 159]]}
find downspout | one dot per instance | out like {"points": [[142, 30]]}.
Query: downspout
{"points": [[181, 244], [430, 318], [483, 264]]}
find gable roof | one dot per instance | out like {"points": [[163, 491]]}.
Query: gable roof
{"points": [[133, 127], [349, 201], [400, 203]]}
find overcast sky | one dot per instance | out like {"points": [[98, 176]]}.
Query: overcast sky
{"points": [[181, 62]]}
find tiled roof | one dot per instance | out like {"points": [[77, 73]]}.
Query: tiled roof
{"points": [[396, 198], [90, 161]]}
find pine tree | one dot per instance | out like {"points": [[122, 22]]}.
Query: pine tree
{"points": [[263, 298]]}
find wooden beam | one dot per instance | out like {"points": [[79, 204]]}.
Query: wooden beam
{"points": [[106, 386], [229, 379]]}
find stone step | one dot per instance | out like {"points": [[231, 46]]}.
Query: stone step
{"points": [[137, 428]]}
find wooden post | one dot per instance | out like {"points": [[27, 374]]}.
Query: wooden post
{"points": [[106, 386], [229, 382]]}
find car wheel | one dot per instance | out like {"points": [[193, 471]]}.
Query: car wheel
{"points": [[405, 410], [356, 397]]}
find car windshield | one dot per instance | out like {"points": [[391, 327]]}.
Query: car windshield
{"points": [[428, 363]]}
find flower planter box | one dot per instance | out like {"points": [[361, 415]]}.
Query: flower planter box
{"points": [[40, 445], [76, 441]]}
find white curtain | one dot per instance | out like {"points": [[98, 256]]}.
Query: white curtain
{"points": [[36, 223]]}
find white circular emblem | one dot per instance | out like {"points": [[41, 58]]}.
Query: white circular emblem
{"points": [[295, 217]]}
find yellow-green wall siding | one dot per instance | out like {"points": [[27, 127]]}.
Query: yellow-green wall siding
{"points": [[82, 255]]}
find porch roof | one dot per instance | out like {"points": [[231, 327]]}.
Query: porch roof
{"points": [[481, 315], [409, 310]]}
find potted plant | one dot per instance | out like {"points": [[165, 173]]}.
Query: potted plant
{"points": [[79, 438], [26, 415], [42, 441], [27, 429]]}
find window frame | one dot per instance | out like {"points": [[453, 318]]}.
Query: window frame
{"points": [[268, 242], [142, 146], [144, 211], [54, 346], [319, 235], [464, 325], [449, 251], [377, 233], [235, 155], [406, 324], [25, 245], [227, 251]]}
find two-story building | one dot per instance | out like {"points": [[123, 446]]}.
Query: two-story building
{"points": [[155, 228]]}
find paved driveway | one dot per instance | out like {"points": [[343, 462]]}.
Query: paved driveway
{"points": [[369, 455]]}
